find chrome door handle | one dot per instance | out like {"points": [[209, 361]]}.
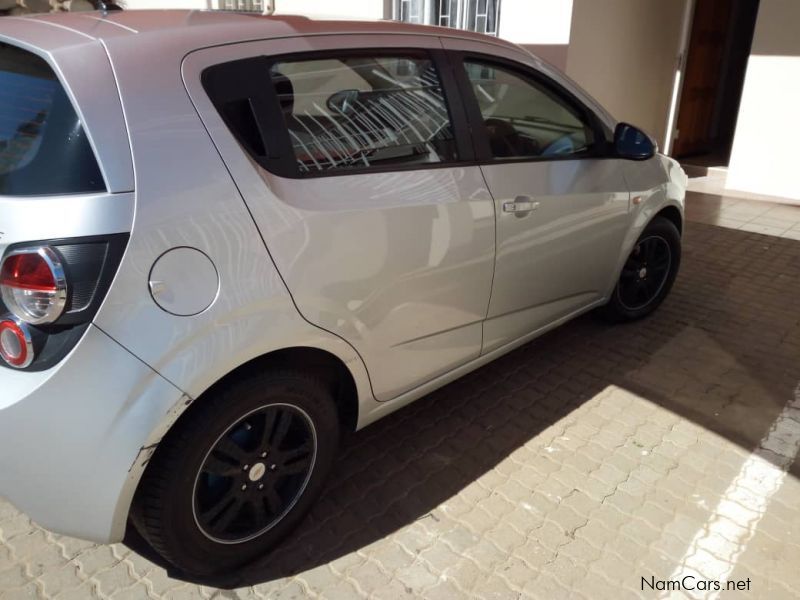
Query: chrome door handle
{"points": [[522, 204]]}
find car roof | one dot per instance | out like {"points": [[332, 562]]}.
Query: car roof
{"points": [[203, 28], [180, 32]]}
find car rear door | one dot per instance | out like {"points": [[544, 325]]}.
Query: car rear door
{"points": [[353, 158], [562, 205]]}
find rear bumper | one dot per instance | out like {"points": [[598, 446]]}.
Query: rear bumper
{"points": [[72, 437]]}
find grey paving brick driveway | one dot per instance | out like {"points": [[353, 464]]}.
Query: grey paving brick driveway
{"points": [[575, 466]]}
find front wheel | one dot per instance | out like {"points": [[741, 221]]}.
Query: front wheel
{"points": [[648, 273], [239, 472]]}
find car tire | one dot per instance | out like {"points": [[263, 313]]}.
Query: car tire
{"points": [[250, 434], [648, 273]]}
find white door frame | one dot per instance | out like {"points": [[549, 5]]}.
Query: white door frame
{"points": [[671, 129]]}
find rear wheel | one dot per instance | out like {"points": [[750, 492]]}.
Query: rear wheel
{"points": [[239, 472], [648, 273]]}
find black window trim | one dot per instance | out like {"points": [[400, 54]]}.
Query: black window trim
{"points": [[483, 153], [250, 79]]}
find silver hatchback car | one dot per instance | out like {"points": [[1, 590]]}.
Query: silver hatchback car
{"points": [[225, 239]]}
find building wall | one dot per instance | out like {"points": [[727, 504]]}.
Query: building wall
{"points": [[765, 145], [542, 26], [341, 9], [624, 53], [145, 4]]}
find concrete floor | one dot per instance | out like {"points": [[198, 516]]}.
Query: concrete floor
{"points": [[593, 463], [709, 202], [757, 216]]}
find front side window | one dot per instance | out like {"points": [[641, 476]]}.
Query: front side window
{"points": [[524, 119], [43, 147], [364, 112]]}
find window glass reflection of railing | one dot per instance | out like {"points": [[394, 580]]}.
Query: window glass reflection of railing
{"points": [[364, 113], [482, 16], [398, 125]]}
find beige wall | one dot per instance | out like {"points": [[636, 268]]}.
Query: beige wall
{"points": [[764, 159], [338, 9], [624, 53], [542, 26]]}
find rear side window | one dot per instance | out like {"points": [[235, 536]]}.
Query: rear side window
{"points": [[43, 146], [364, 112], [337, 112]]}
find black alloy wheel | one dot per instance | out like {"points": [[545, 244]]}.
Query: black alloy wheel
{"points": [[645, 272], [239, 471], [648, 273], [254, 473]]}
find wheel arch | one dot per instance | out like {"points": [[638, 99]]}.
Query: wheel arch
{"points": [[668, 208], [347, 390], [673, 215], [321, 363], [314, 366]]}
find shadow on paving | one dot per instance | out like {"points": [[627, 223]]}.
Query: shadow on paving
{"points": [[722, 351]]}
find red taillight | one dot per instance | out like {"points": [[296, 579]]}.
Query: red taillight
{"points": [[27, 271], [33, 285], [16, 347]]}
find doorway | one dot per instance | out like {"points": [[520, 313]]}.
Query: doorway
{"points": [[716, 61]]}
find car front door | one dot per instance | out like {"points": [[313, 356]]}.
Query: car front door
{"points": [[562, 206], [360, 175]]}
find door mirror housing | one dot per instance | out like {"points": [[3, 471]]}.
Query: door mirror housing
{"points": [[632, 143]]}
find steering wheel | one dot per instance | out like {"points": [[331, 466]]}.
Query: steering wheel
{"points": [[506, 141]]}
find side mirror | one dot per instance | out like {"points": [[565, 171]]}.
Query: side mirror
{"points": [[633, 143], [343, 102]]}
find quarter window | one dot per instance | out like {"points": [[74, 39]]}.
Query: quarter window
{"points": [[364, 112], [43, 146], [524, 119]]}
